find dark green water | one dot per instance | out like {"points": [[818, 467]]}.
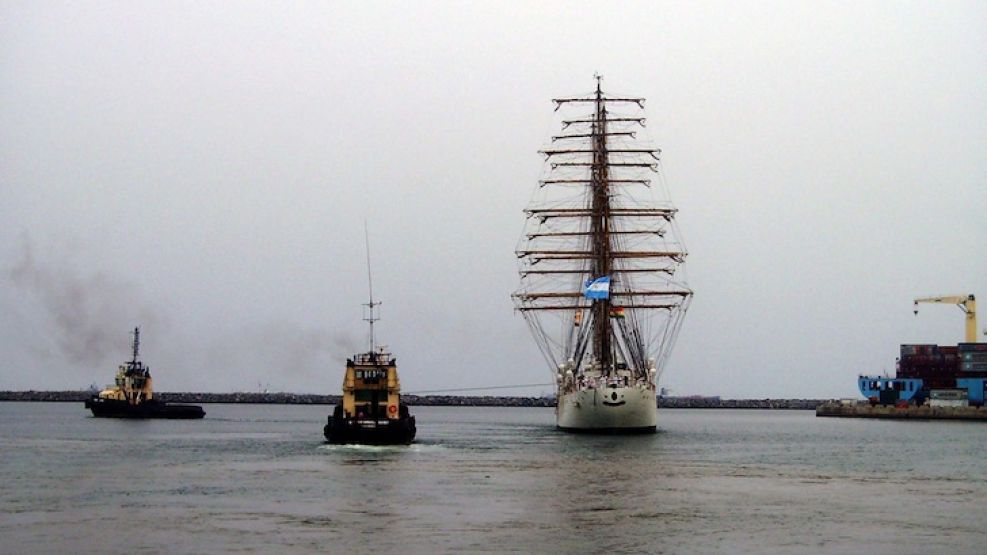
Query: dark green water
{"points": [[258, 479]]}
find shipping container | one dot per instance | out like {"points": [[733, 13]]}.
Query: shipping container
{"points": [[976, 387], [958, 400], [948, 403], [924, 349], [948, 394]]}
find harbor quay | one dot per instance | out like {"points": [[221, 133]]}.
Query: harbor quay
{"points": [[915, 412]]}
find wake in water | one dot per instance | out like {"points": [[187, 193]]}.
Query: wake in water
{"points": [[355, 448]]}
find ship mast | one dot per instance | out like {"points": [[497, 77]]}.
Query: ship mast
{"points": [[600, 226], [135, 346], [372, 316], [597, 214]]}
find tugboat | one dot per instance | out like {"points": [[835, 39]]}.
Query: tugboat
{"points": [[132, 395], [371, 411]]}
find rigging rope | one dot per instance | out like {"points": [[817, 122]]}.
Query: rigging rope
{"points": [[518, 386]]}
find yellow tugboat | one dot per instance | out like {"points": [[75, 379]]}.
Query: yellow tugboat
{"points": [[132, 395], [371, 411]]}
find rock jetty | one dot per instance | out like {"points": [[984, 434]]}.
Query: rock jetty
{"points": [[261, 398], [717, 403]]}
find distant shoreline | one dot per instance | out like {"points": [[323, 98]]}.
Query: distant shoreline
{"points": [[415, 400]]}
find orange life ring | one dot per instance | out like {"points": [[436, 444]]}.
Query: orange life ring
{"points": [[392, 410]]}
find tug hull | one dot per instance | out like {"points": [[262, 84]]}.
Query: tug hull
{"points": [[339, 430], [111, 408]]}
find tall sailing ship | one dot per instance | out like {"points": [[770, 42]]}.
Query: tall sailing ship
{"points": [[601, 264]]}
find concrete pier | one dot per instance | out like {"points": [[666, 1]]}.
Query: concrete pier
{"points": [[924, 412]]}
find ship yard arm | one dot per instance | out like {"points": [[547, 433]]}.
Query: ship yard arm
{"points": [[598, 100], [566, 123], [545, 214], [560, 151], [668, 271], [579, 294], [630, 134], [584, 182], [650, 166], [658, 232]]}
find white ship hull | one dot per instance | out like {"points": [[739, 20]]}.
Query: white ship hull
{"points": [[621, 409]]}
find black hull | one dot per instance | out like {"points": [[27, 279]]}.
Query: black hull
{"points": [[384, 432], [108, 408]]}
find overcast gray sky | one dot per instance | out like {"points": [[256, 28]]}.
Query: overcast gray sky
{"points": [[204, 169]]}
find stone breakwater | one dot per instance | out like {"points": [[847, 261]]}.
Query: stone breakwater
{"points": [[285, 398], [415, 400], [714, 403]]}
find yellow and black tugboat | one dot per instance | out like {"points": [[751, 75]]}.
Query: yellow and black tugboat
{"points": [[132, 395], [371, 411]]}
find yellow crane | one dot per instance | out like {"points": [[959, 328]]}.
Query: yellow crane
{"points": [[967, 303]]}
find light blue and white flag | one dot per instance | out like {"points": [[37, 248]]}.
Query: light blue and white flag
{"points": [[598, 288]]}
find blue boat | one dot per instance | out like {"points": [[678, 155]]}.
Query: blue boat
{"points": [[890, 390]]}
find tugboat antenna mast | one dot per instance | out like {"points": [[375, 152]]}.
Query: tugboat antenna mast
{"points": [[136, 346], [370, 282]]}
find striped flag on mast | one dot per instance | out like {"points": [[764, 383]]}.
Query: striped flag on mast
{"points": [[598, 288]]}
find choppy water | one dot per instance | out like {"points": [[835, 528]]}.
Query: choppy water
{"points": [[252, 478]]}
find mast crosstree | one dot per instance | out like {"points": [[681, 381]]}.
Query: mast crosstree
{"points": [[601, 213]]}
